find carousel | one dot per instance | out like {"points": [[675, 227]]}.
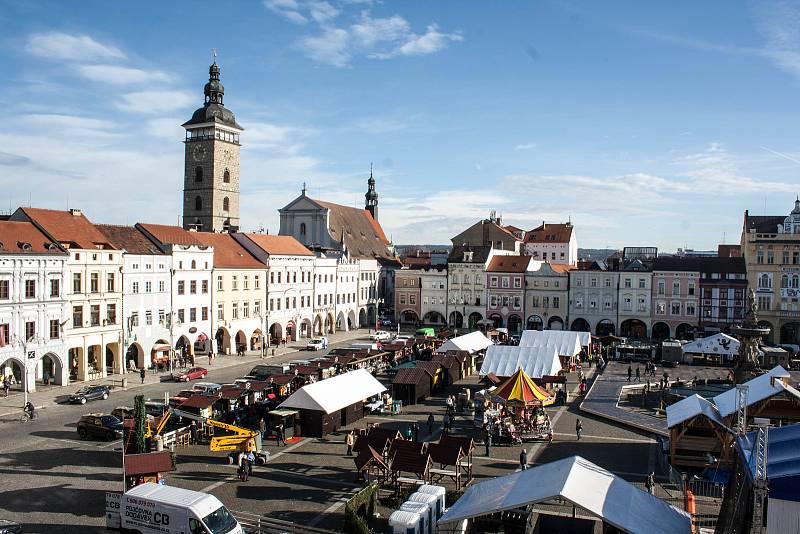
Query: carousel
{"points": [[519, 414]]}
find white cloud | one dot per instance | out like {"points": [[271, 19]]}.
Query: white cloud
{"points": [[525, 146], [64, 46], [117, 75], [428, 43], [370, 31], [322, 11], [289, 9], [330, 47], [156, 101]]}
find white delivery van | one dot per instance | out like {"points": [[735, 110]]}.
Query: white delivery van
{"points": [[153, 508]]}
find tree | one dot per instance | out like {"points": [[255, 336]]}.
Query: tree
{"points": [[140, 425]]}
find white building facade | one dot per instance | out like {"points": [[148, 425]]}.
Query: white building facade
{"points": [[433, 289]]}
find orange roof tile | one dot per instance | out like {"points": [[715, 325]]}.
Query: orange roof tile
{"points": [[128, 238], [68, 227], [509, 264], [550, 233], [562, 267], [279, 244], [19, 237], [170, 235], [363, 235], [228, 253]]}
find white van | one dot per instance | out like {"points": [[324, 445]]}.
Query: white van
{"points": [[153, 508]]}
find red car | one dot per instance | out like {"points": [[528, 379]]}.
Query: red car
{"points": [[192, 374]]}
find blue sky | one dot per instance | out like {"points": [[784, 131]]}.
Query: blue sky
{"points": [[646, 124]]}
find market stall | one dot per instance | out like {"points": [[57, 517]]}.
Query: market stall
{"points": [[524, 416], [504, 360]]}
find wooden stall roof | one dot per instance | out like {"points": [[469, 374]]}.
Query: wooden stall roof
{"points": [[445, 453], [257, 385], [368, 455], [466, 443], [378, 439], [411, 376], [461, 355], [405, 447], [199, 401], [306, 370], [229, 392], [450, 364], [281, 380], [148, 463], [431, 367]]}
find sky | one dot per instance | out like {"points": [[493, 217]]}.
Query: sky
{"points": [[645, 124]]}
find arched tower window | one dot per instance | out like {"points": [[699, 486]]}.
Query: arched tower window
{"points": [[302, 228], [198, 174], [226, 204], [198, 203], [226, 176]]}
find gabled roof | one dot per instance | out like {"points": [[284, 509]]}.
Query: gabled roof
{"points": [[70, 228], [199, 401], [550, 233], [335, 393], [472, 342], [504, 360], [228, 253], [584, 484], [361, 233], [148, 463], [690, 407], [169, 235], [366, 455], [767, 224], [129, 238], [281, 245], [20, 237], [759, 388], [509, 264], [480, 253]]}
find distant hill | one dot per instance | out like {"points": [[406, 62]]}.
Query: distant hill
{"points": [[405, 249], [595, 253]]}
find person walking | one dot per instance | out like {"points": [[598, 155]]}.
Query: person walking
{"points": [[142, 374], [193, 433], [445, 423], [630, 371], [6, 384], [430, 423], [487, 440], [279, 435], [523, 459], [578, 428], [350, 440], [650, 483], [262, 427], [638, 374], [415, 428]]}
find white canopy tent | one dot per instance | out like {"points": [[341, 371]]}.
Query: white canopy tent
{"points": [[585, 338], [566, 342], [472, 343], [504, 360], [718, 344], [584, 484], [691, 407], [335, 393]]}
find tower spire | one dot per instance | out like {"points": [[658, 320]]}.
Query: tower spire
{"points": [[371, 197]]}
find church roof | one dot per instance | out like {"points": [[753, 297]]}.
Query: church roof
{"points": [[228, 253], [361, 233], [68, 227], [279, 244], [128, 238]]}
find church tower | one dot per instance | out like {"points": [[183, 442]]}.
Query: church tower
{"points": [[211, 169], [371, 196]]}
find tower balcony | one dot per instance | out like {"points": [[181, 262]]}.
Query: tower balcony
{"points": [[211, 133]]}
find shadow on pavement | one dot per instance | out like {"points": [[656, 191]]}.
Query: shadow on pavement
{"points": [[59, 499]]}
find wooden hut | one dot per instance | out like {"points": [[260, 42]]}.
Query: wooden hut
{"points": [[411, 385], [148, 467]]}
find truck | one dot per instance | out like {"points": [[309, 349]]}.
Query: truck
{"points": [[152, 508]]}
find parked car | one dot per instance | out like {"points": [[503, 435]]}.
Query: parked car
{"points": [[315, 344], [99, 426], [380, 335], [10, 527], [195, 373], [207, 388], [88, 393], [155, 408]]}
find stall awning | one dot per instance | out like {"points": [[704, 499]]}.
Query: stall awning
{"points": [[335, 393], [472, 343], [586, 485], [567, 342], [504, 360]]}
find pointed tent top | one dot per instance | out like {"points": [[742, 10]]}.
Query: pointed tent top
{"points": [[520, 390]]}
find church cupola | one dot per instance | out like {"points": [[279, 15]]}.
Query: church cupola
{"points": [[214, 90], [371, 196]]}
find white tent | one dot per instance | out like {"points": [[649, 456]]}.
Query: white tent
{"points": [[586, 485], [335, 393], [504, 360], [567, 342], [759, 388], [690, 407], [720, 344], [472, 343], [585, 338]]}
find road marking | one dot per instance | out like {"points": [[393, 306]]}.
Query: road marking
{"points": [[287, 450], [219, 483], [607, 438]]}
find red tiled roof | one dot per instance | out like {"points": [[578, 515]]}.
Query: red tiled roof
{"points": [[128, 238], [509, 264], [228, 253], [230, 392], [550, 233], [148, 463], [279, 244], [68, 227], [562, 267], [170, 235], [19, 237], [363, 235]]}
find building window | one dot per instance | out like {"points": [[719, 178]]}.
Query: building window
{"points": [[193, 287], [148, 318], [198, 174], [627, 282], [770, 257], [234, 282], [4, 290], [302, 229], [162, 317], [764, 302], [204, 314], [55, 287], [245, 310], [246, 283], [691, 289], [76, 283], [676, 288], [592, 304], [690, 309], [642, 304], [94, 317], [412, 300], [626, 303], [760, 256], [181, 316], [192, 315], [111, 314], [226, 204], [94, 283], [661, 308], [181, 287], [220, 312], [593, 282], [77, 316], [55, 328], [30, 289], [675, 308], [204, 286], [198, 203], [257, 282], [517, 282], [30, 330], [607, 304], [235, 310], [493, 281], [608, 282], [226, 176], [402, 298], [219, 283], [642, 283], [765, 281], [257, 308], [505, 281]]}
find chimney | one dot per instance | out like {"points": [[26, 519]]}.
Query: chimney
{"points": [[75, 212]]}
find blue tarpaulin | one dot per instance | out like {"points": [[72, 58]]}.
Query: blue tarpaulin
{"points": [[783, 461]]}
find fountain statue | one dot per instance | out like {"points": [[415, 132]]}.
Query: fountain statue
{"points": [[749, 334]]}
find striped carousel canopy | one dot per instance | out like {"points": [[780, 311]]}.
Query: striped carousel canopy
{"points": [[520, 390]]}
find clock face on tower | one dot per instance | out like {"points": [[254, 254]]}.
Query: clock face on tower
{"points": [[199, 153]]}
